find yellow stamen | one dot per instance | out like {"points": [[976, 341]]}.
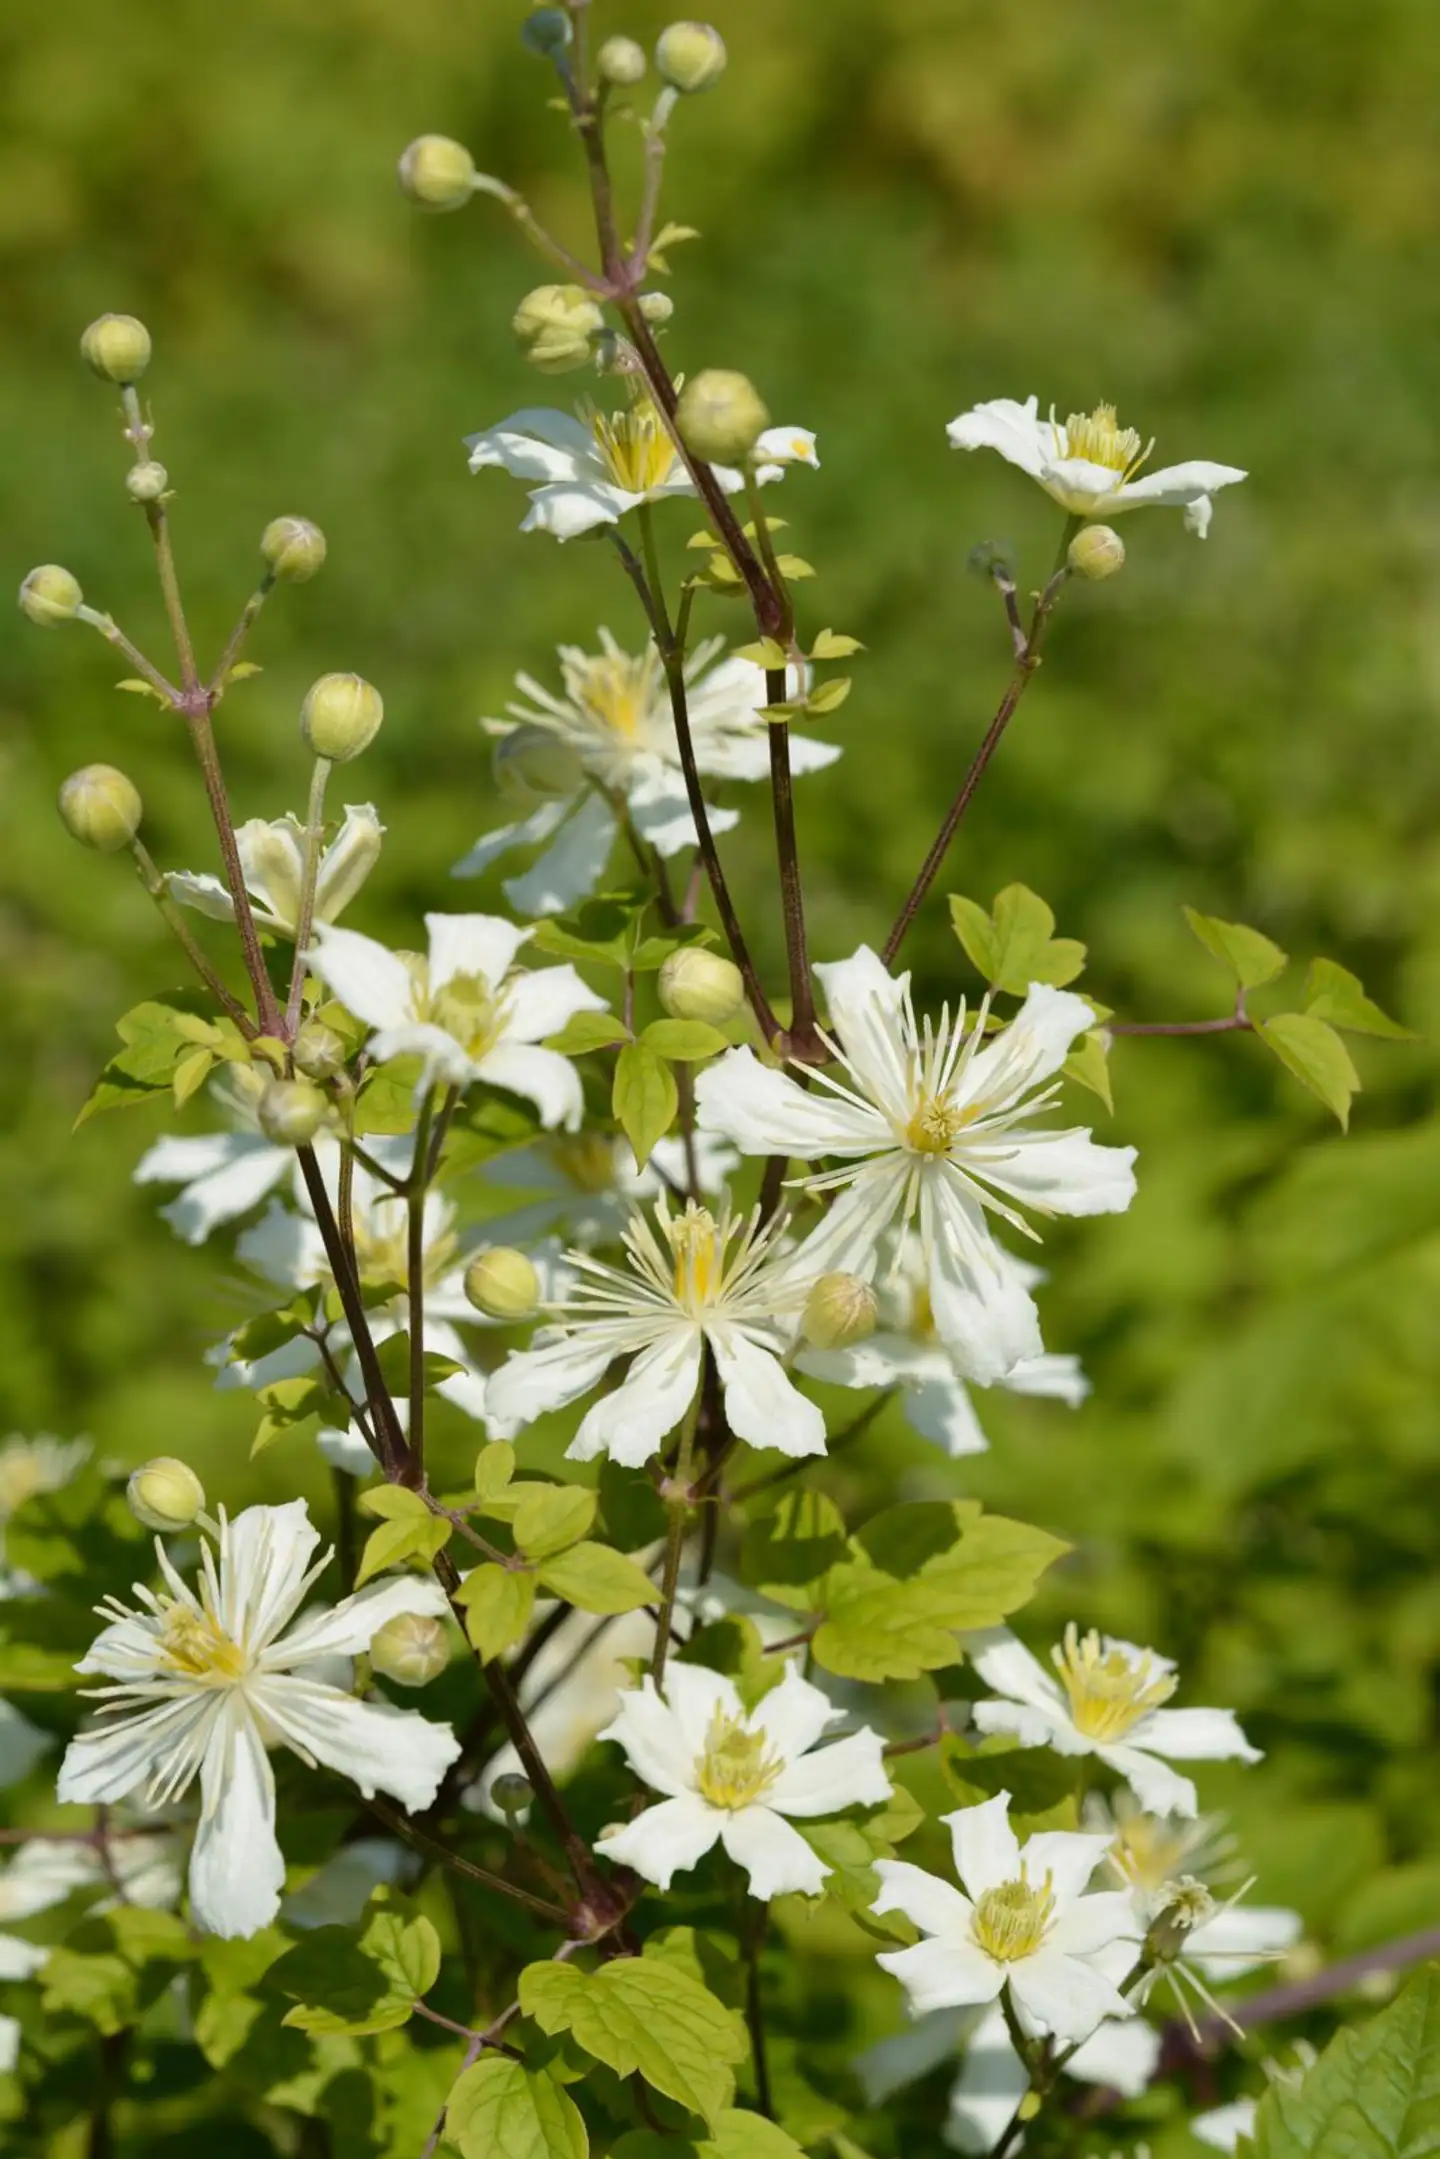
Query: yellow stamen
{"points": [[1012, 1920], [1111, 1689], [699, 1255], [735, 1768], [195, 1644], [635, 446], [934, 1125], [1098, 438], [616, 692]]}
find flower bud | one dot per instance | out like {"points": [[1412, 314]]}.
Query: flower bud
{"points": [[721, 416], [318, 1050], [146, 482], [1185, 1904], [117, 347], [512, 1795], [341, 716], [621, 61], [698, 985], [292, 549], [411, 1649], [165, 1495], [1096, 552], [437, 173], [50, 595], [656, 307], [553, 326], [530, 761], [546, 32], [291, 1112], [100, 807], [690, 55], [502, 1283], [839, 1310]]}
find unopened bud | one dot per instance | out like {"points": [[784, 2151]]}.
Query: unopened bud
{"points": [[318, 1050], [513, 1796], [100, 807], [292, 549], [553, 326], [546, 32], [502, 1283], [656, 307], [1096, 552], [291, 1112], [690, 55], [165, 1495], [341, 716], [117, 347], [146, 482], [50, 595], [530, 761], [437, 173], [411, 1649], [1186, 1904], [621, 61], [721, 416], [840, 1310], [698, 985]]}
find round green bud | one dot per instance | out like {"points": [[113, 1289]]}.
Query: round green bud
{"points": [[512, 1795], [546, 32], [690, 55], [291, 1112], [621, 61], [146, 482], [165, 1495], [1097, 553], [117, 347], [502, 1283], [318, 1052], [553, 327], [840, 1310], [437, 173], [411, 1649], [292, 549], [698, 985], [656, 307], [721, 416], [530, 762], [100, 807], [50, 595], [341, 717]]}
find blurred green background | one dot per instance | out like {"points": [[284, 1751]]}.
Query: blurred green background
{"points": [[1219, 214]]}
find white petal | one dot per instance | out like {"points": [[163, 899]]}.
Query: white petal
{"points": [[869, 1014], [540, 1003], [695, 1693], [121, 1755], [526, 832], [1107, 1920], [1120, 2056], [1223, 2127], [927, 1900], [762, 1405], [532, 1382], [1239, 1937], [786, 446], [943, 1413], [572, 868], [665, 1840], [1159, 1789], [849, 1236], [202, 892], [350, 1628], [983, 1312], [1056, 1376], [21, 1744], [892, 2064], [536, 443], [986, 1850], [992, 2082], [1029, 1051], [1002, 424], [849, 1773], [266, 1554], [369, 981], [654, 1741], [765, 1112], [272, 857], [236, 1868], [179, 1159], [1178, 484], [444, 1058], [883, 1360], [650, 1401], [346, 1451], [483, 945], [944, 1974], [1062, 1172], [1060, 1994], [1005, 1664], [776, 1857], [795, 1716], [1194, 1735], [542, 1076], [1069, 1859], [254, 1169], [1033, 1727], [1197, 516], [348, 860], [18, 1960], [576, 506], [378, 1747]]}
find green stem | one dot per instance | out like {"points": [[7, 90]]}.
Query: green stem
{"points": [[159, 525], [677, 1502], [239, 634], [305, 913], [112, 633], [172, 915], [202, 735]]}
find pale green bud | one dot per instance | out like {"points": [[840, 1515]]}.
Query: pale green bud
{"points": [[117, 347], [512, 1795], [840, 1310], [165, 1495], [621, 61], [411, 1649], [318, 1050], [292, 549], [690, 55], [1096, 552], [530, 761], [50, 596], [100, 807], [146, 482], [553, 326], [698, 985], [291, 1112], [721, 416], [1187, 1904], [437, 173], [341, 717], [502, 1283], [656, 307], [546, 32]]}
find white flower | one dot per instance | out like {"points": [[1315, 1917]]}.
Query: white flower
{"points": [[28, 1467], [1108, 1700], [732, 1776], [1022, 1921], [1223, 2127], [907, 1352], [691, 1282], [467, 1010], [1088, 466], [931, 1127], [206, 1683], [140, 1868], [272, 857], [585, 1183], [614, 715], [1119, 2056], [223, 1174], [590, 469]]}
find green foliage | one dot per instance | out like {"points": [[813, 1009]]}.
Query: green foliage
{"points": [[1312, 1050], [1373, 2094], [358, 1980], [645, 1098], [644, 2014], [501, 2110], [1015, 944], [1251, 958]]}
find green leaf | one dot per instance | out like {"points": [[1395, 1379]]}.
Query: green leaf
{"points": [[340, 1979], [551, 1517], [393, 1357], [1015, 944], [599, 931], [394, 1503], [645, 1098], [596, 1579], [588, 1031], [828, 696], [412, 1537], [878, 1628], [1314, 1053], [834, 645], [645, 2015], [1332, 993], [494, 1467], [765, 652], [1251, 958], [153, 1046], [498, 1602], [290, 1402], [1373, 2094], [501, 2110], [113, 1968], [686, 1041], [272, 1330], [738, 2135], [1036, 1778], [407, 1950], [1089, 1066], [788, 1553]]}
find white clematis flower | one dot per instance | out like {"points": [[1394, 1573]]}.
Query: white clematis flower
{"points": [[467, 1010], [590, 469], [29, 1467], [1089, 465], [1118, 2056], [205, 1683], [614, 716], [1107, 1700], [1021, 1920], [1150, 1852], [586, 1183], [691, 1283], [732, 1777], [1223, 2127], [272, 857], [222, 1174], [929, 1126]]}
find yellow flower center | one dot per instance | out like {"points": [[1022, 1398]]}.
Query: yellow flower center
{"points": [[1111, 1689], [587, 1160], [699, 1255], [635, 446], [195, 1644], [616, 692], [735, 1768], [933, 1127], [22, 1475], [1149, 1852], [1098, 438], [1011, 1920], [382, 1248], [466, 1009]]}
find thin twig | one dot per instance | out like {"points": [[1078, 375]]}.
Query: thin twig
{"points": [[305, 912]]}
